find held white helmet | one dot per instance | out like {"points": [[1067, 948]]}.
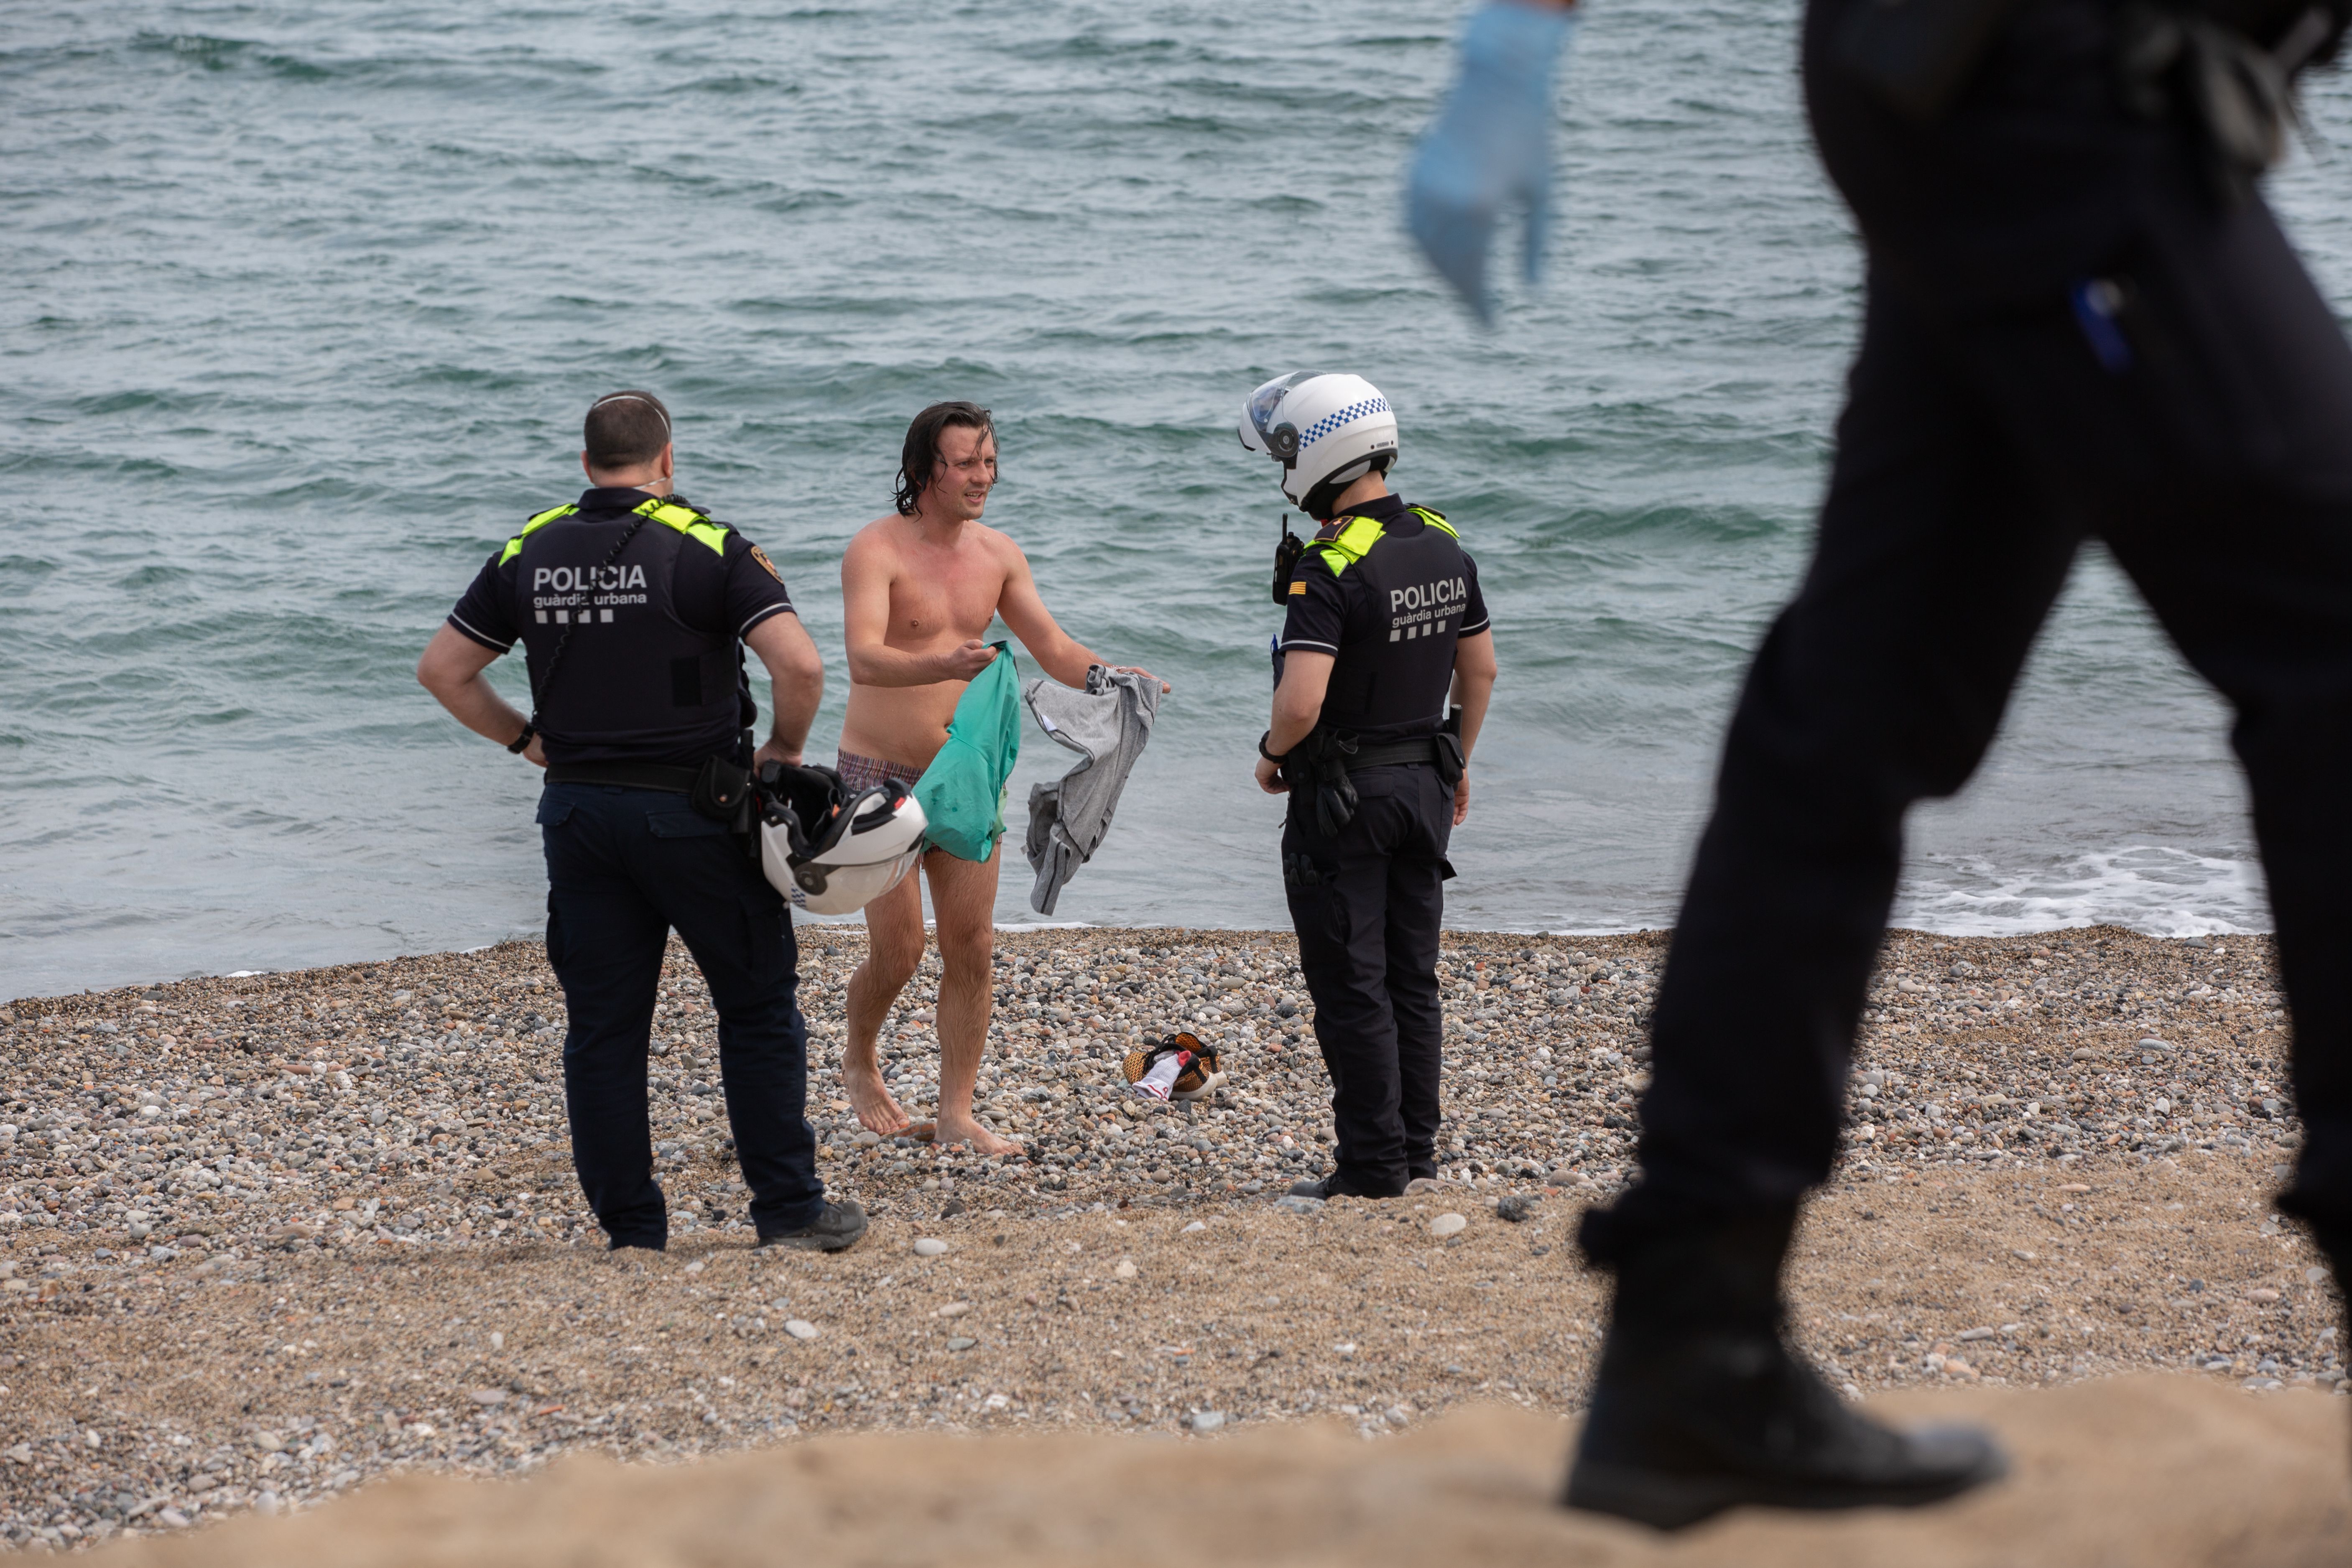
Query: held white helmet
{"points": [[1327, 432], [827, 853]]}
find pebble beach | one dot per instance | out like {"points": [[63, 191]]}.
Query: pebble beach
{"points": [[266, 1238]]}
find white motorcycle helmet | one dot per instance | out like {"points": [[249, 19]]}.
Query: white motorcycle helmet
{"points": [[1327, 432], [829, 854]]}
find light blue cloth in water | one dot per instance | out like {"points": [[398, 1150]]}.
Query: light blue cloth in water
{"points": [[1490, 147]]}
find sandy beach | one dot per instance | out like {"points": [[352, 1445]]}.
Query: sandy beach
{"points": [[270, 1238], [2140, 1470]]}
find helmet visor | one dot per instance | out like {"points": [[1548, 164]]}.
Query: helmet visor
{"points": [[1258, 414]]}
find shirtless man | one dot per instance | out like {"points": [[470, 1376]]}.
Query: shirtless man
{"points": [[919, 589]]}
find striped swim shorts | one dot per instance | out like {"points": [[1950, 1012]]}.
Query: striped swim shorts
{"points": [[859, 774]]}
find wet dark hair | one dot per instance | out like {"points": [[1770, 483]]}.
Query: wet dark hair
{"points": [[624, 429], [919, 458]]}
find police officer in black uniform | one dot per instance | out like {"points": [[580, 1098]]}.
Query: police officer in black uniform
{"points": [[2081, 320], [633, 608], [1386, 634]]}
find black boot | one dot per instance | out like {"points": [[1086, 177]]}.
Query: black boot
{"points": [[1700, 1405]]}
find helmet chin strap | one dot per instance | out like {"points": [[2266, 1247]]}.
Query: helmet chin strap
{"points": [[1328, 492]]}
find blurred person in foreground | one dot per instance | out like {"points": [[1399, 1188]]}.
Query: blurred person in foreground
{"points": [[2081, 321]]}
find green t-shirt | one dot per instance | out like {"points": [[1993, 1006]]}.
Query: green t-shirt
{"points": [[962, 792]]}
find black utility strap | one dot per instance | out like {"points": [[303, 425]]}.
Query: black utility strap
{"points": [[1420, 751], [545, 683], [628, 775]]}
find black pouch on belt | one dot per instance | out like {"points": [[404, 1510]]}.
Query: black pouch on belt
{"points": [[1918, 56], [1450, 760], [722, 792]]}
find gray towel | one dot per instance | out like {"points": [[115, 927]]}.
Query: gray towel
{"points": [[1106, 724]]}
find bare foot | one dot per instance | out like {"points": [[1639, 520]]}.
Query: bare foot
{"points": [[870, 1097], [966, 1129]]}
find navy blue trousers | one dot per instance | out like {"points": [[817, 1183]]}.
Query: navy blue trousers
{"points": [[2206, 438], [1368, 927], [625, 868]]}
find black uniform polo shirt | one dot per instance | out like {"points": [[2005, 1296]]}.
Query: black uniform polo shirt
{"points": [[653, 670], [1389, 617]]}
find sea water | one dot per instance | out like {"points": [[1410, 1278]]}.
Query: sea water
{"points": [[304, 302]]}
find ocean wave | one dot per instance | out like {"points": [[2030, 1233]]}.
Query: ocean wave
{"points": [[2160, 889]]}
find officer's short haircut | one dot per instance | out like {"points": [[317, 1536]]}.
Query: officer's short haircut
{"points": [[919, 458], [624, 429]]}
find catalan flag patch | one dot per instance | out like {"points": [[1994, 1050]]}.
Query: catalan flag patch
{"points": [[1297, 589]]}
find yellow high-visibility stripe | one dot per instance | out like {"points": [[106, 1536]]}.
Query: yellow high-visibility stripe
{"points": [[1355, 542], [686, 520], [514, 545], [669, 514], [1351, 544]]}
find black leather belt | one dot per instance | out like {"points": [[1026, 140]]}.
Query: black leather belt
{"points": [[1396, 751], [628, 775]]}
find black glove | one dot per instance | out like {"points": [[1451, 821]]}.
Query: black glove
{"points": [[1335, 792], [804, 797], [1335, 803]]}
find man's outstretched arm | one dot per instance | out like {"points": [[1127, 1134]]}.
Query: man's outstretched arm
{"points": [[1057, 653]]}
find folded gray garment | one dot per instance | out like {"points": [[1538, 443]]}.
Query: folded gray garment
{"points": [[1106, 724]]}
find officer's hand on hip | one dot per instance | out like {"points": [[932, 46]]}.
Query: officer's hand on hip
{"points": [[774, 751], [1461, 797], [1270, 779], [534, 753]]}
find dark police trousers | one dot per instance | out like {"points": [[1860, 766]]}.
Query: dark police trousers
{"points": [[625, 867], [1985, 438], [1367, 945]]}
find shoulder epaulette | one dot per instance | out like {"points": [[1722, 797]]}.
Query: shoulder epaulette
{"points": [[1343, 546]]}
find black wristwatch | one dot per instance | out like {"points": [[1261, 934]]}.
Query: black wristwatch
{"points": [[519, 743], [1269, 756]]}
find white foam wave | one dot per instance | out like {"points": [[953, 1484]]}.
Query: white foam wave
{"points": [[2159, 890]]}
